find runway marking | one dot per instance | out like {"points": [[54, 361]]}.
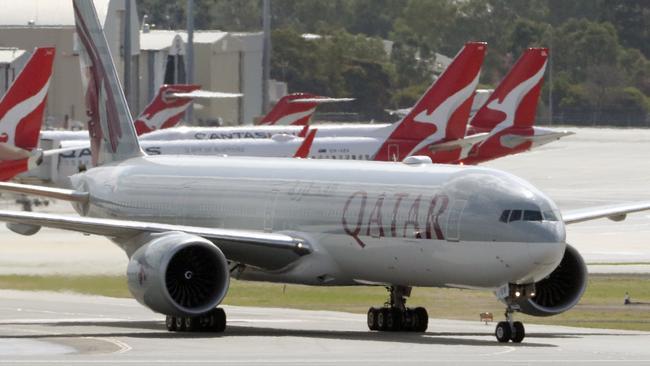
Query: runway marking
{"points": [[62, 320], [507, 349], [123, 347]]}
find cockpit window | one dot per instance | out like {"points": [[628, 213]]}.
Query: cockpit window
{"points": [[530, 215], [515, 215], [504, 216], [550, 216]]}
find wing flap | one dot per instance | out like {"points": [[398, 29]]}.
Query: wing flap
{"points": [[616, 212]]}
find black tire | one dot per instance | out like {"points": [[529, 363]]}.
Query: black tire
{"points": [[420, 320], [382, 314], [191, 323], [518, 332], [372, 319], [170, 323], [503, 332], [218, 320], [180, 323]]}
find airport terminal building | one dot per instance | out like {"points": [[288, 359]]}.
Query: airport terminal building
{"points": [[224, 61]]}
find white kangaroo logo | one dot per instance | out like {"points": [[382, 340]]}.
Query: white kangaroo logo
{"points": [[440, 116], [291, 118], [10, 120], [156, 121], [511, 101]]}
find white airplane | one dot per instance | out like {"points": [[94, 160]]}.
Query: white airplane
{"points": [[439, 117], [164, 111], [193, 222]]}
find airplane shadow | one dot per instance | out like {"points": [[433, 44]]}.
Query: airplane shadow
{"points": [[156, 330]]}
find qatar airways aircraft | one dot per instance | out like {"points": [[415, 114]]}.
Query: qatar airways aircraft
{"points": [[193, 222], [21, 114], [439, 117]]}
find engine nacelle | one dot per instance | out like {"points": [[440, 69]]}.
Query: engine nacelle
{"points": [[561, 290], [179, 274]]}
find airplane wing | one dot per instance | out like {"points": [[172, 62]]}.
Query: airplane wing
{"points": [[260, 249], [206, 94], [616, 212]]}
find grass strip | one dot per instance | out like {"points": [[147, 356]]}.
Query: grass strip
{"points": [[601, 306]]}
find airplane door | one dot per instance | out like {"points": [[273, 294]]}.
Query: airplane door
{"points": [[453, 222], [269, 210], [393, 152]]}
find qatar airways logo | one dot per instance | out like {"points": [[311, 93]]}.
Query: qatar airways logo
{"points": [[509, 104], [395, 215]]}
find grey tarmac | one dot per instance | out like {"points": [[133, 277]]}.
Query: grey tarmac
{"points": [[44, 328]]}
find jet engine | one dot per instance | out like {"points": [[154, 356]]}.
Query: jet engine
{"points": [[561, 290], [178, 274]]}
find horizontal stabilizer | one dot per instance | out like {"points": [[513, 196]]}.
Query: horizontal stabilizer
{"points": [[465, 142], [616, 212], [206, 94], [514, 140], [321, 100], [56, 193]]}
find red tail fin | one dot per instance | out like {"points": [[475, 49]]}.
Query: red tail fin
{"points": [[514, 101], [303, 132], [286, 112], [164, 111], [303, 150], [443, 111], [22, 107]]}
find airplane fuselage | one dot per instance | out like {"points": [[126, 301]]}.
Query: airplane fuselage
{"points": [[369, 222]]}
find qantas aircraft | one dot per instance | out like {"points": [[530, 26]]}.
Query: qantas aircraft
{"points": [[193, 222], [502, 126], [297, 109], [440, 116], [509, 114], [21, 114], [164, 111]]}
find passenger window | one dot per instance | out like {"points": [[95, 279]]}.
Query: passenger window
{"points": [[515, 215], [504, 216], [530, 215]]}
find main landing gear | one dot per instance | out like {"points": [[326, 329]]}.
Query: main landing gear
{"points": [[395, 316], [213, 321]]}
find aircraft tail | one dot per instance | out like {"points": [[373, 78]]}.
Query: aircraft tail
{"points": [[112, 135], [296, 109], [514, 102], [303, 149], [165, 110], [23, 106], [443, 110]]}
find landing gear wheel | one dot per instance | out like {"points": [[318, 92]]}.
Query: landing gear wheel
{"points": [[420, 320], [218, 320], [191, 323], [382, 314], [170, 323], [394, 319], [372, 319], [180, 323], [518, 332], [503, 332]]}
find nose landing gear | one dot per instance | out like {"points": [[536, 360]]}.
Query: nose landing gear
{"points": [[395, 316], [510, 330]]}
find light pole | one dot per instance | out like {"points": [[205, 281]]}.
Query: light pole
{"points": [[189, 53]]}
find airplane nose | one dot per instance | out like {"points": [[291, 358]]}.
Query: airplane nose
{"points": [[545, 258]]}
